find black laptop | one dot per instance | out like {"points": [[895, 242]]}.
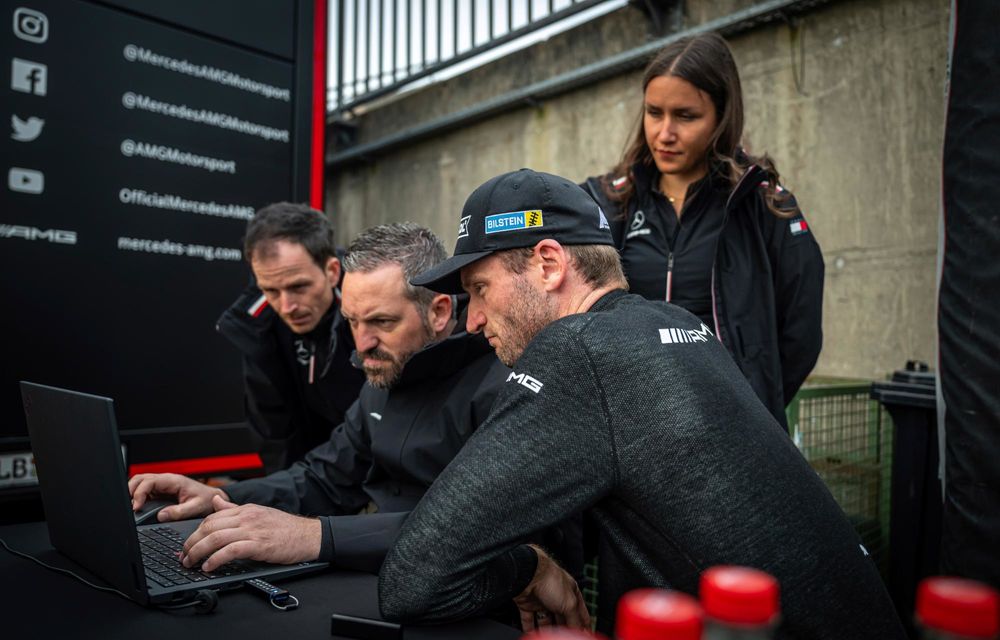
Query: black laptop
{"points": [[81, 474]]}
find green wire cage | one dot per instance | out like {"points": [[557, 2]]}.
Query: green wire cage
{"points": [[847, 439]]}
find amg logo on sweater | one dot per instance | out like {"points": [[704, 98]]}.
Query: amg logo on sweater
{"points": [[675, 336], [526, 381]]}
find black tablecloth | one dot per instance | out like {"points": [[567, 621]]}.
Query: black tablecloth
{"points": [[36, 602]]}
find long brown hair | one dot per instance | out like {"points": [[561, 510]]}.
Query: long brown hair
{"points": [[705, 61]]}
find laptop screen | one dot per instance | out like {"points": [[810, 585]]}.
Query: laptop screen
{"points": [[82, 479]]}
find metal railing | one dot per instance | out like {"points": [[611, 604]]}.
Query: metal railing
{"points": [[379, 46], [729, 25]]}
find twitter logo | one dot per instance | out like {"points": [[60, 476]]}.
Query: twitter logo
{"points": [[26, 130]]}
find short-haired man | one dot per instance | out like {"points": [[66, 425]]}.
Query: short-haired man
{"points": [[628, 407], [428, 389], [298, 379]]}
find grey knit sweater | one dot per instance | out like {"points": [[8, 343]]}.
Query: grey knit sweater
{"points": [[635, 411]]}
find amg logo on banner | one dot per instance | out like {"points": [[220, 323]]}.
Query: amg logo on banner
{"points": [[59, 236]]}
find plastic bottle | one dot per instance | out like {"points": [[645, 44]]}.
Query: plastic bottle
{"points": [[740, 603], [658, 614], [957, 609]]}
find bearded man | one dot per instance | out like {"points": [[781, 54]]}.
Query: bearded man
{"points": [[629, 408], [428, 388]]}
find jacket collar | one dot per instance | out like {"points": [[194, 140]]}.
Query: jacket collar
{"points": [[608, 300], [324, 327], [646, 177], [252, 332], [441, 359], [647, 181], [331, 331], [748, 183]]}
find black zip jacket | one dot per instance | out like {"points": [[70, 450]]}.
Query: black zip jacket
{"points": [[387, 452], [767, 286], [297, 388], [635, 411]]}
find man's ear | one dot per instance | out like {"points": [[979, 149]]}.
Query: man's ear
{"points": [[439, 312], [332, 271], [552, 262]]}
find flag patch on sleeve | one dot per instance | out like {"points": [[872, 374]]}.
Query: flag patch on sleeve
{"points": [[798, 226]]}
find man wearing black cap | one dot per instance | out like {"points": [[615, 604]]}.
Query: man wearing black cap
{"points": [[627, 407]]}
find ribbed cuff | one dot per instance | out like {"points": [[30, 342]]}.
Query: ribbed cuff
{"points": [[237, 492], [525, 564], [326, 546]]}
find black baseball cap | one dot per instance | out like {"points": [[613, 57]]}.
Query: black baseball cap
{"points": [[514, 210]]}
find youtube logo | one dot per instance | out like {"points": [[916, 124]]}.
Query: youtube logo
{"points": [[25, 180]]}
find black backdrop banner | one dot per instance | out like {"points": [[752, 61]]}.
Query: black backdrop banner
{"points": [[969, 298], [142, 137]]}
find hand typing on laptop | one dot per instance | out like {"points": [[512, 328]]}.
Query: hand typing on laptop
{"points": [[429, 387], [69, 430], [230, 531], [253, 532]]}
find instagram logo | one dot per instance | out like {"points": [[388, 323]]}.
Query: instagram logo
{"points": [[31, 25]]}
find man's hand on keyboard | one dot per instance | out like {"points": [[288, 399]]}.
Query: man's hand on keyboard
{"points": [[252, 532], [194, 498]]}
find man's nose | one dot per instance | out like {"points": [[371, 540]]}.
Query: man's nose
{"points": [[475, 319], [286, 303], [364, 340]]}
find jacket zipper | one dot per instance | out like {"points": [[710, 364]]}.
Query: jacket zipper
{"points": [[332, 343], [670, 274], [715, 312], [312, 362], [725, 218], [671, 243]]}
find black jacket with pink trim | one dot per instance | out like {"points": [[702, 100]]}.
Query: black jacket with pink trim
{"points": [[297, 387]]}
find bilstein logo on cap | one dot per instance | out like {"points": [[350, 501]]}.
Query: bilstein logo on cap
{"points": [[512, 221]]}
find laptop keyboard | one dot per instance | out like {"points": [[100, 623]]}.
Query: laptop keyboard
{"points": [[160, 548]]}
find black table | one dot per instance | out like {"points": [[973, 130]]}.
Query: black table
{"points": [[39, 603]]}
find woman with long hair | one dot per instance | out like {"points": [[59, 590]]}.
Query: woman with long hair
{"points": [[703, 224]]}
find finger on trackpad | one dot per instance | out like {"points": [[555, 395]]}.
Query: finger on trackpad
{"points": [[147, 514]]}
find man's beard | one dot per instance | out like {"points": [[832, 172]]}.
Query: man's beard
{"points": [[387, 375], [529, 312]]}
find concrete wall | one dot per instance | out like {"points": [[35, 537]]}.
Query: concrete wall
{"points": [[848, 101]]}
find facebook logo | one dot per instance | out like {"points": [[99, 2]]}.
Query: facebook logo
{"points": [[28, 77]]}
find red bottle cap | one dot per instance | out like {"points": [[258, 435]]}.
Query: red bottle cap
{"points": [[959, 606], [562, 633], [739, 595], [658, 614]]}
